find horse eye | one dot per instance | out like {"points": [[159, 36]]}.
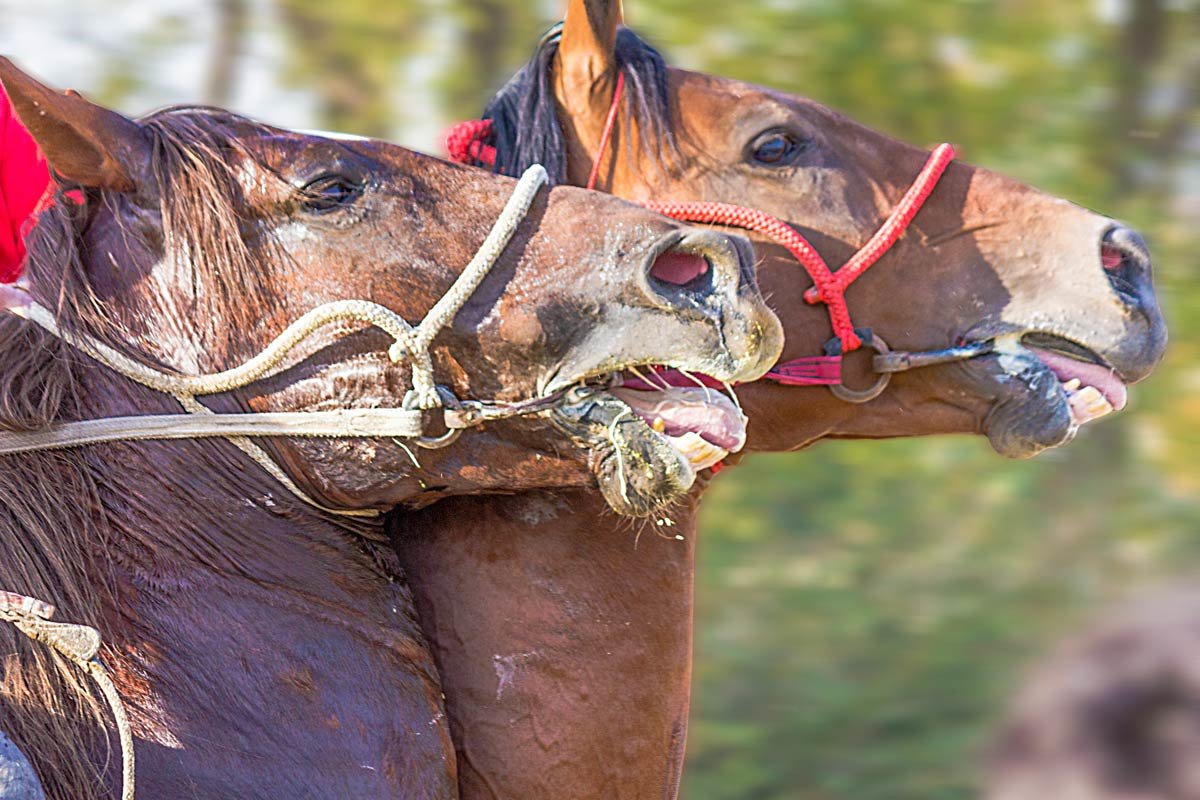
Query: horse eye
{"points": [[777, 148], [329, 193]]}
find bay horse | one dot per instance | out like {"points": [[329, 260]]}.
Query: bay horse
{"points": [[256, 626], [567, 666]]}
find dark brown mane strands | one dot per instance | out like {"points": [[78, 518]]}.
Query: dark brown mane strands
{"points": [[48, 707]]}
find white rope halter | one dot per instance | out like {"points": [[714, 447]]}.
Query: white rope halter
{"points": [[81, 644], [411, 343]]}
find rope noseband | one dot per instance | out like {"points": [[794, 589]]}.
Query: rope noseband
{"points": [[411, 343], [466, 142]]}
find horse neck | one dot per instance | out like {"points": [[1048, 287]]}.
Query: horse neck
{"points": [[234, 601], [567, 664]]}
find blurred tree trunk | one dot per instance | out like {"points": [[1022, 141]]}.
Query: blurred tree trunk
{"points": [[219, 83], [350, 52]]}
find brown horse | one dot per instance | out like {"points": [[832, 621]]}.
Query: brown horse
{"points": [[567, 665], [265, 648]]}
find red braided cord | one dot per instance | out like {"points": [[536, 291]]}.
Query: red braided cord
{"points": [[780, 232], [829, 287], [608, 129], [465, 143], [895, 225]]}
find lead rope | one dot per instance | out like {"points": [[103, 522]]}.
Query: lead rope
{"points": [[410, 343], [79, 644]]}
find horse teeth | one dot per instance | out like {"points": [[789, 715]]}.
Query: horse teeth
{"points": [[700, 453], [1072, 385], [1087, 404]]}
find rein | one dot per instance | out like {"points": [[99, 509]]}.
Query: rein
{"points": [[466, 143], [411, 344]]}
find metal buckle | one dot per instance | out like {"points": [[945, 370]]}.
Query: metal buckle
{"points": [[843, 392]]}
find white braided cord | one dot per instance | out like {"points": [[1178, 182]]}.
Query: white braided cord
{"points": [[410, 342], [260, 366], [416, 345]]}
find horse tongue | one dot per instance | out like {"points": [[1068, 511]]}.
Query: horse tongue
{"points": [[678, 411], [1101, 377]]}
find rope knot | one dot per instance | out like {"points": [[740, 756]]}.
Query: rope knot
{"points": [[422, 399]]}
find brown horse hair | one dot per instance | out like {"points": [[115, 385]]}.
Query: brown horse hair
{"points": [[55, 530]]}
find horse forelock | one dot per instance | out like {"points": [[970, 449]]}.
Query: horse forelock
{"points": [[53, 529], [524, 112]]}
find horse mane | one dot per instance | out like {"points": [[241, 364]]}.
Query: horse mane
{"points": [[524, 112], [55, 534]]}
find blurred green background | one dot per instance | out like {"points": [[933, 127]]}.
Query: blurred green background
{"points": [[865, 607]]}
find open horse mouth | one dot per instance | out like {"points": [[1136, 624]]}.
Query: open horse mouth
{"points": [[635, 395], [652, 431], [1092, 388], [1087, 385], [690, 411], [1045, 387]]}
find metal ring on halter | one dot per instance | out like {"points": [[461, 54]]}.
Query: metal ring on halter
{"points": [[449, 403], [438, 442], [843, 392]]}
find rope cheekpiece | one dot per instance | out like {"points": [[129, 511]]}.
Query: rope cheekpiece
{"points": [[79, 644], [411, 343]]}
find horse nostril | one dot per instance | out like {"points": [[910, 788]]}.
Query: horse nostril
{"points": [[692, 270], [1111, 257], [1126, 261], [679, 269]]}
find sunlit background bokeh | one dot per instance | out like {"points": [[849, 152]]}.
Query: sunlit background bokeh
{"points": [[865, 607]]}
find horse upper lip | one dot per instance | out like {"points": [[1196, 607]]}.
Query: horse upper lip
{"points": [[1053, 342], [1063, 346]]}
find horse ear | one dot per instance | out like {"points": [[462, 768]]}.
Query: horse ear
{"points": [[83, 142], [587, 56]]}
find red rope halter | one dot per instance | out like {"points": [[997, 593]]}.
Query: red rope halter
{"points": [[466, 143]]}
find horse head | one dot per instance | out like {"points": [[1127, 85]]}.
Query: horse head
{"points": [[1061, 298], [194, 237]]}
